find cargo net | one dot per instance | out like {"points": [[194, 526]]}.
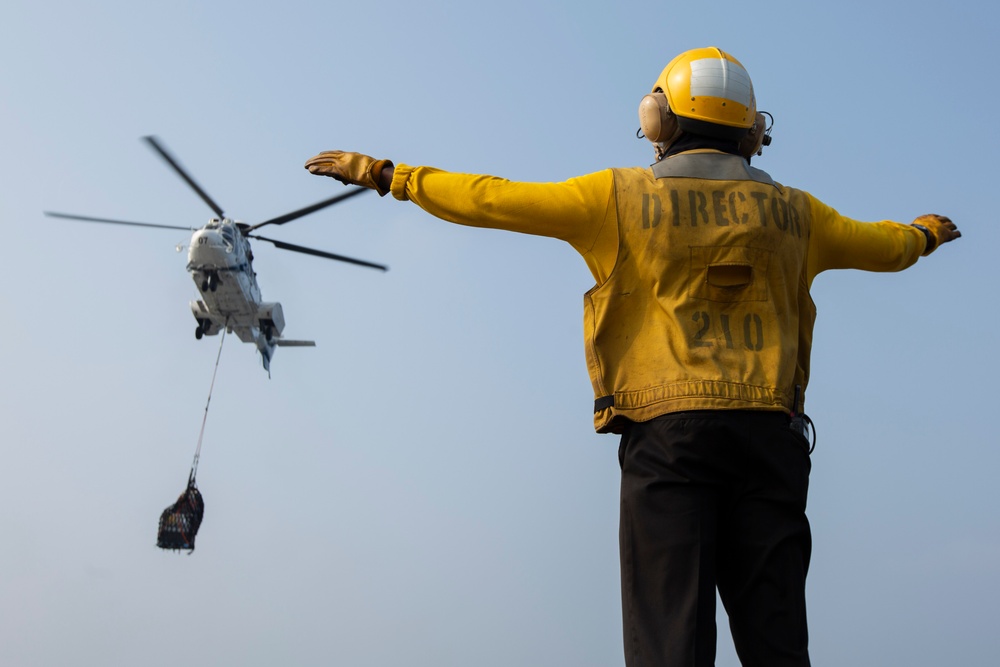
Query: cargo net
{"points": [[179, 523]]}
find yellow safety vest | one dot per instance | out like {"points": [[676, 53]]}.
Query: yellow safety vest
{"points": [[708, 305]]}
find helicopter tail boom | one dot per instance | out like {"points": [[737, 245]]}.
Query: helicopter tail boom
{"points": [[266, 347]]}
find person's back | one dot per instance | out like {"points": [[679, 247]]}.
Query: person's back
{"points": [[702, 309]]}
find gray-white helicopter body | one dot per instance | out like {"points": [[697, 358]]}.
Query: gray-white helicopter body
{"points": [[221, 263]]}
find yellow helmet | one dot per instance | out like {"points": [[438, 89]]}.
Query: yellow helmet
{"points": [[710, 92]]}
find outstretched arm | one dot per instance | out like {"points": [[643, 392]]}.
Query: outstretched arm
{"points": [[580, 211], [838, 242]]}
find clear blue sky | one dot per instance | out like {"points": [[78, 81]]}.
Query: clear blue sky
{"points": [[425, 487]]}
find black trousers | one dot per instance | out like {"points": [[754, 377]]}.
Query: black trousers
{"points": [[714, 499]]}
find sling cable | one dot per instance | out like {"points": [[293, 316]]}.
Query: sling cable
{"points": [[179, 523]]}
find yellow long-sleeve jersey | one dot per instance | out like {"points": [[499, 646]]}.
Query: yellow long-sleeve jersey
{"points": [[702, 266]]}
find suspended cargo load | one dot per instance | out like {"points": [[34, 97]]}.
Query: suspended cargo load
{"points": [[179, 523]]}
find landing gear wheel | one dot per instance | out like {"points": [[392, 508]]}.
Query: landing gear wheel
{"points": [[210, 282], [204, 326]]}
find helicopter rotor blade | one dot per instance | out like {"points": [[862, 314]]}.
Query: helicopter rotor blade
{"points": [[288, 217], [152, 141], [85, 218], [319, 253]]}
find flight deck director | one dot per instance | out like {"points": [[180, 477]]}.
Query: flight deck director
{"points": [[698, 334]]}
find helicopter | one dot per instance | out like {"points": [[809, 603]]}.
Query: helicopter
{"points": [[220, 262]]}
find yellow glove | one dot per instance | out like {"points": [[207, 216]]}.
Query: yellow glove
{"points": [[351, 169], [938, 228]]}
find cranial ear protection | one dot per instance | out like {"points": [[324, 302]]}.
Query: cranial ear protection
{"points": [[657, 122]]}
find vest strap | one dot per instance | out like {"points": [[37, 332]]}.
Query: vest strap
{"points": [[604, 402]]}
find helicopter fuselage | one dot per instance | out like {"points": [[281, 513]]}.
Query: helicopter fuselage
{"points": [[220, 262]]}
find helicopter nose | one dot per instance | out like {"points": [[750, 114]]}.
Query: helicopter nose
{"points": [[209, 248]]}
